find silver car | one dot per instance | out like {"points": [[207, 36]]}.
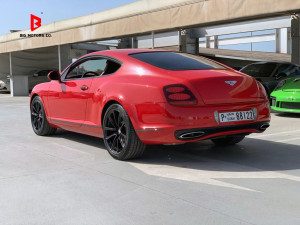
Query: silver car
{"points": [[4, 83]]}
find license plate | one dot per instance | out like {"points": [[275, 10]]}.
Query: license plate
{"points": [[237, 116]]}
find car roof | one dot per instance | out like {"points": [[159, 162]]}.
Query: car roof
{"points": [[122, 52], [273, 62]]}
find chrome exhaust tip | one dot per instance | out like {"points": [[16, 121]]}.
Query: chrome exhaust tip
{"points": [[191, 135], [264, 126]]}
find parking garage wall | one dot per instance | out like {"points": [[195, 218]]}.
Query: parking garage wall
{"points": [[4, 65]]}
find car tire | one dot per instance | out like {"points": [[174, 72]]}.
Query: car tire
{"points": [[39, 122], [231, 140], [119, 135]]}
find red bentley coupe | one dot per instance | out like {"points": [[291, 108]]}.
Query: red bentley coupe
{"points": [[133, 98]]}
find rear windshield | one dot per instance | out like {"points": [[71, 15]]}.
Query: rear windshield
{"points": [[176, 61], [259, 70]]}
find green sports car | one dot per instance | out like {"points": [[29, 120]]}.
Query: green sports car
{"points": [[286, 96]]}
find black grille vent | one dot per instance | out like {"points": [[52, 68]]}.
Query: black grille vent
{"points": [[290, 105]]}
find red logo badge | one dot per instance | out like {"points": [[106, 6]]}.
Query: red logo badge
{"points": [[35, 22]]}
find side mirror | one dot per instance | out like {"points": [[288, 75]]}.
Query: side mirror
{"points": [[54, 75]]}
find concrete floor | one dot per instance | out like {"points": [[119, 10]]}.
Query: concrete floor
{"points": [[70, 178]]}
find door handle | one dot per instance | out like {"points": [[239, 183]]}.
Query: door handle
{"points": [[84, 87]]}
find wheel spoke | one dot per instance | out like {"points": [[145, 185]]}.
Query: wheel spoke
{"points": [[110, 136], [35, 122], [121, 142], [119, 120], [112, 122], [122, 125], [110, 129], [34, 109], [117, 144], [122, 135], [114, 143], [37, 107], [39, 124], [114, 119]]}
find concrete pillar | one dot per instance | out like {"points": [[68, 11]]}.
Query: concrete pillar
{"points": [[188, 43], [282, 40], [216, 42], [152, 39], [10, 64], [134, 43], [128, 42], [207, 41], [212, 42], [18, 84], [59, 58], [295, 35]]}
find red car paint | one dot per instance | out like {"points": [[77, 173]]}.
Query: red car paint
{"points": [[139, 86]]}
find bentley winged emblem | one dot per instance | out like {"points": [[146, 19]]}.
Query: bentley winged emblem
{"points": [[231, 82]]}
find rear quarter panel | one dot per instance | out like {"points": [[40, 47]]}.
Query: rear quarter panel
{"points": [[132, 87]]}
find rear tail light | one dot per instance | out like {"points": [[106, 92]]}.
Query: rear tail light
{"points": [[178, 94]]}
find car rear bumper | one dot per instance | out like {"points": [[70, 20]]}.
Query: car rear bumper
{"points": [[193, 134], [166, 124]]}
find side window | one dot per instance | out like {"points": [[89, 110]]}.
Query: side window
{"points": [[289, 70], [268, 69], [260, 70], [111, 67], [283, 68], [89, 68]]}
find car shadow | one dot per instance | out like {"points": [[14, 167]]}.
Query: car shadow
{"points": [[80, 138], [288, 115], [250, 155]]}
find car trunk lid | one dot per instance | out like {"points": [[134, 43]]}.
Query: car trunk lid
{"points": [[223, 86]]}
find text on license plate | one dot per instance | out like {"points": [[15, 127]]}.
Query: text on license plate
{"points": [[237, 116]]}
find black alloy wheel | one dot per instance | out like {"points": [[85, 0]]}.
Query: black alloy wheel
{"points": [[39, 121], [116, 131], [120, 138], [37, 116]]}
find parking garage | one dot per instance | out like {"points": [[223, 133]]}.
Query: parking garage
{"points": [[236, 38], [70, 178]]}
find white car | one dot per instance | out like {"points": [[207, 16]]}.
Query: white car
{"points": [[4, 83]]}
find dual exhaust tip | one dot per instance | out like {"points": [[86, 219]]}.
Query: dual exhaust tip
{"points": [[189, 135], [264, 126]]}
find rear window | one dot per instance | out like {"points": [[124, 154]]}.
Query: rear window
{"points": [[176, 61], [260, 70]]}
